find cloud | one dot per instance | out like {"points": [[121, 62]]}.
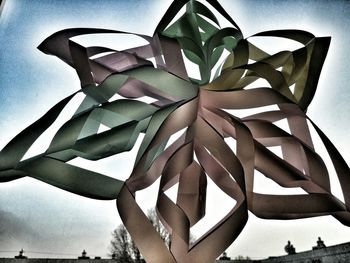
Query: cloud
{"points": [[14, 232]]}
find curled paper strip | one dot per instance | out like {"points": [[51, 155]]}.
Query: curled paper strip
{"points": [[200, 108]]}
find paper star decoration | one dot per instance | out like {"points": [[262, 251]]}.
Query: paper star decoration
{"points": [[198, 108]]}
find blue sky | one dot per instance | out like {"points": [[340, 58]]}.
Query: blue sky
{"points": [[31, 82]]}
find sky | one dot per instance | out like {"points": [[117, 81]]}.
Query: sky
{"points": [[43, 219]]}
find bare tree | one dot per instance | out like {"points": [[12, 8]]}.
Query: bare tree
{"points": [[121, 248], [124, 249], [159, 227]]}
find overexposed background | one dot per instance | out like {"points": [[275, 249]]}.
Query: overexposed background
{"points": [[41, 218]]}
